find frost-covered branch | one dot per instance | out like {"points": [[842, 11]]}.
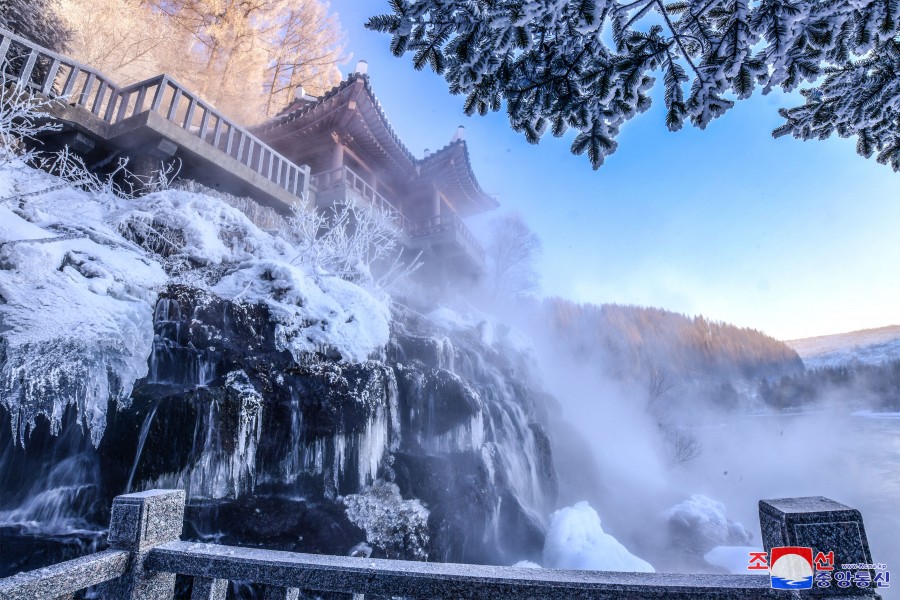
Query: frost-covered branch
{"points": [[68, 166], [350, 241], [553, 67], [20, 120]]}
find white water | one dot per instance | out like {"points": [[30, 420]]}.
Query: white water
{"points": [[59, 503]]}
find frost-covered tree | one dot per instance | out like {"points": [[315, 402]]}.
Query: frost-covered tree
{"points": [[588, 65], [127, 41], [35, 20], [246, 57], [511, 255], [255, 53]]}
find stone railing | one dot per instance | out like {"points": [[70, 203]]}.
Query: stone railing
{"points": [[57, 76], [145, 555]]}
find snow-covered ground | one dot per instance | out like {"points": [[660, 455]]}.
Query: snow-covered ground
{"points": [[869, 346], [80, 273]]}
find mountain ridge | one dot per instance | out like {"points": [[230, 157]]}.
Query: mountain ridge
{"points": [[866, 346]]}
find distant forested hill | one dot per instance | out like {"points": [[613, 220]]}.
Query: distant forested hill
{"points": [[641, 343]]}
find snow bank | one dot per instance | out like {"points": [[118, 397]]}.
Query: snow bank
{"points": [[325, 314], [576, 540], [207, 242], [76, 305]]}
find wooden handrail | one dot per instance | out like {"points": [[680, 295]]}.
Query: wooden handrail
{"points": [[346, 176]]}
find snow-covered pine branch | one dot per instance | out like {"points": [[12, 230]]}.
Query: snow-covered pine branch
{"points": [[551, 63]]}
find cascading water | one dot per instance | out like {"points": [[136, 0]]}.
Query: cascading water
{"points": [[60, 502], [269, 450], [142, 439], [59, 511]]}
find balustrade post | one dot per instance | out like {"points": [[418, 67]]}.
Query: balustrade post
{"points": [[138, 523], [25, 75], [823, 525], [281, 593], [207, 588]]}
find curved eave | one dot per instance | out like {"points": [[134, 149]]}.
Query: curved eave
{"points": [[366, 123], [451, 170]]}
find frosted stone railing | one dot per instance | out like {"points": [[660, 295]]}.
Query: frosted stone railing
{"points": [[56, 76], [447, 223], [146, 555], [344, 176]]}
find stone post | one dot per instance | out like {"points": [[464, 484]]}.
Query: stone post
{"points": [[138, 523], [823, 525]]}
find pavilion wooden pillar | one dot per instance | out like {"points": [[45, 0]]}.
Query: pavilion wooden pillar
{"points": [[435, 202], [337, 153]]}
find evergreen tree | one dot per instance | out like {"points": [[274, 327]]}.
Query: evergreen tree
{"points": [[35, 20], [551, 63]]}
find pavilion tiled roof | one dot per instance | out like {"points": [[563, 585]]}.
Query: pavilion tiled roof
{"points": [[301, 110], [450, 167]]}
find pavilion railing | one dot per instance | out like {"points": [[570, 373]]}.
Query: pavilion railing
{"points": [[345, 177], [450, 222], [56, 76], [146, 554]]}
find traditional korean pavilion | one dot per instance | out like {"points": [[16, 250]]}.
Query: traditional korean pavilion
{"points": [[352, 151]]}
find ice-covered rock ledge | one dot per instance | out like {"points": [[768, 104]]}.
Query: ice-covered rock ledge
{"points": [[79, 278]]}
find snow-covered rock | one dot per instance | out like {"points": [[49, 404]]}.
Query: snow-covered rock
{"points": [[76, 304], [80, 273], [576, 540]]}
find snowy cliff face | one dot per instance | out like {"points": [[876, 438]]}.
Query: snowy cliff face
{"points": [[169, 342], [76, 305]]}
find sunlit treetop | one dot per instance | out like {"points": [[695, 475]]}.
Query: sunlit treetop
{"points": [[588, 65]]}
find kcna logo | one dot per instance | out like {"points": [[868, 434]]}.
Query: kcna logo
{"points": [[790, 567]]}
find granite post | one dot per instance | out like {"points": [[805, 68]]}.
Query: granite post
{"points": [[138, 523], [823, 525]]}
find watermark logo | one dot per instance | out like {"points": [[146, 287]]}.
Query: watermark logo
{"points": [[791, 568], [799, 568]]}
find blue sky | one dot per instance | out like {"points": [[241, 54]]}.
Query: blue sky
{"points": [[793, 238]]}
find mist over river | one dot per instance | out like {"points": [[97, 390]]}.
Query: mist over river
{"points": [[852, 459]]}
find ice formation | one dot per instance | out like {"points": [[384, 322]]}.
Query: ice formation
{"points": [[576, 540], [76, 304], [397, 526], [701, 524], [79, 276]]}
